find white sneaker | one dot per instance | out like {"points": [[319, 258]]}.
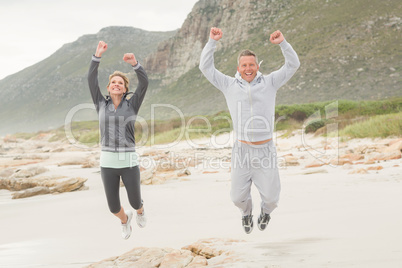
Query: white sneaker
{"points": [[141, 219], [126, 228]]}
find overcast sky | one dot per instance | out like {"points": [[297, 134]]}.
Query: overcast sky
{"points": [[32, 30]]}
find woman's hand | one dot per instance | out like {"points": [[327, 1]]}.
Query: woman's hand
{"points": [[130, 58], [102, 47]]}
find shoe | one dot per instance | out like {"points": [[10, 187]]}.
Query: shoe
{"points": [[263, 220], [141, 219], [126, 227], [247, 222]]}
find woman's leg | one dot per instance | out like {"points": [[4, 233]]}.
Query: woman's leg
{"points": [[132, 182], [111, 184]]}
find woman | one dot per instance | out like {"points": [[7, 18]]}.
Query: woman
{"points": [[117, 116]]}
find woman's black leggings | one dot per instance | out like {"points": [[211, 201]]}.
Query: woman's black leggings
{"points": [[111, 183]]}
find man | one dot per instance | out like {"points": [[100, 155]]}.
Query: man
{"points": [[250, 97]]}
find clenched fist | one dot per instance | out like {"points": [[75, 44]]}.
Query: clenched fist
{"points": [[130, 58], [102, 47], [215, 33], [276, 37]]}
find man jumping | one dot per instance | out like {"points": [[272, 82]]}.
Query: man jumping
{"points": [[250, 97]]}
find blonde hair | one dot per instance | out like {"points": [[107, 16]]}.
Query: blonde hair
{"points": [[122, 75], [247, 52]]}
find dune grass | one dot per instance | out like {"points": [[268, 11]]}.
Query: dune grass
{"points": [[355, 119], [380, 126]]}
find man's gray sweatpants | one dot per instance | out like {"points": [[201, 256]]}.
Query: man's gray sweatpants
{"points": [[255, 164]]}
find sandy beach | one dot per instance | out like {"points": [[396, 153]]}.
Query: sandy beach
{"points": [[328, 216]]}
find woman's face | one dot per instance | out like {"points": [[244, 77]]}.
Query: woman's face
{"points": [[116, 86]]}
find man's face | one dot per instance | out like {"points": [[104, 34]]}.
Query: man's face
{"points": [[248, 68]]}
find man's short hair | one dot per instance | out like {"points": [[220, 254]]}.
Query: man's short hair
{"points": [[247, 52]]}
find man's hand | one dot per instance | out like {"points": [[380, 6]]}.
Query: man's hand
{"points": [[102, 47], [215, 34], [130, 58], [276, 37]]}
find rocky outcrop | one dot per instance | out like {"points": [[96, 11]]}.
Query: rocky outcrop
{"points": [[369, 154], [179, 54], [208, 252], [27, 187], [25, 182]]}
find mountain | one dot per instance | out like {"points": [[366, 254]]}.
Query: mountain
{"points": [[348, 50], [40, 96]]}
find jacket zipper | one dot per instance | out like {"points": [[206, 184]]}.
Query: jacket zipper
{"points": [[115, 130], [251, 109]]}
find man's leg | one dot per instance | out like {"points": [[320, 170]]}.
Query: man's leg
{"points": [[265, 176], [241, 181], [269, 186], [241, 187]]}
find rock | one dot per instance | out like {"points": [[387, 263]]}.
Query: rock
{"points": [[41, 185], [375, 168], [18, 184], [209, 248], [40, 190], [316, 171], [150, 152], [364, 149], [391, 143], [284, 146], [167, 257], [340, 162], [90, 164], [198, 261], [147, 174], [353, 157], [210, 172], [7, 172], [70, 185], [192, 162], [290, 160], [184, 172], [386, 156], [315, 164], [394, 146], [32, 157], [156, 180], [347, 166], [359, 171], [73, 161], [328, 147], [29, 172], [19, 162], [151, 256], [177, 259], [10, 139], [57, 150], [165, 165], [223, 260]]}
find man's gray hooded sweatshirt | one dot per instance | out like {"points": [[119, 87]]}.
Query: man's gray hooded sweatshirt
{"points": [[117, 125], [251, 105]]}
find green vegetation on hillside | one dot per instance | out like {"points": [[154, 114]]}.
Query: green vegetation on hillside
{"points": [[353, 119], [379, 126]]}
